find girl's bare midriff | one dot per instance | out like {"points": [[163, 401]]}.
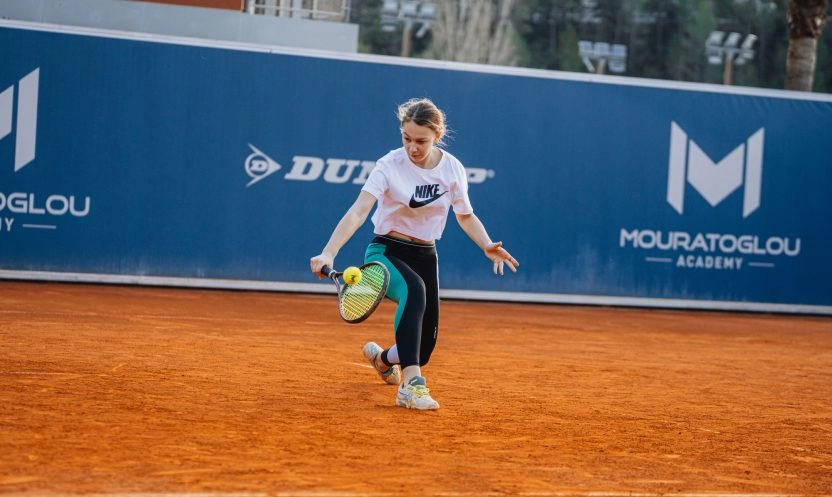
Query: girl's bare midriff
{"points": [[401, 236]]}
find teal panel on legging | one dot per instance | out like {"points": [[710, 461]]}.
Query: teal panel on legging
{"points": [[397, 291]]}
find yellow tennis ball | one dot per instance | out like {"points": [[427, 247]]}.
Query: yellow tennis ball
{"points": [[352, 275]]}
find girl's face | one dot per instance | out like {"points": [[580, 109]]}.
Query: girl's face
{"points": [[418, 142]]}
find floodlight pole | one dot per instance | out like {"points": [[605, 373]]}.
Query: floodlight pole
{"points": [[728, 68], [408, 13]]}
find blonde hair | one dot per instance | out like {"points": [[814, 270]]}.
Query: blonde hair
{"points": [[424, 112]]}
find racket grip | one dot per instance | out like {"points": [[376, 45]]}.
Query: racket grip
{"points": [[327, 271]]}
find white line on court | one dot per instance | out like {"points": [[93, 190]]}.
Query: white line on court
{"points": [[361, 365]]}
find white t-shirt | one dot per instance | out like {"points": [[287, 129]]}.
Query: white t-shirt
{"points": [[416, 201]]}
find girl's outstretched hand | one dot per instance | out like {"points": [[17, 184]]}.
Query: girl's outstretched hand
{"points": [[500, 257]]}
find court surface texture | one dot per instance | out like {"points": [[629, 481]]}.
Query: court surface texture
{"points": [[151, 392]]}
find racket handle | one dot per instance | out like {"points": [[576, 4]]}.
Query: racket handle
{"points": [[327, 271]]}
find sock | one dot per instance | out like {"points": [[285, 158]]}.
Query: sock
{"points": [[390, 356], [411, 372]]}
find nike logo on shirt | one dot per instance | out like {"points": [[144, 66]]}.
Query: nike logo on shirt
{"points": [[428, 193]]}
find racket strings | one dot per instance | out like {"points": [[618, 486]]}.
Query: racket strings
{"points": [[362, 297]]}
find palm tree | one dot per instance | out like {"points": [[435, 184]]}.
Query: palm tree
{"points": [[805, 20]]}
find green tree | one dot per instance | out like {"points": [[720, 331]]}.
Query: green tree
{"points": [[685, 58], [373, 38], [547, 33], [823, 78], [566, 55]]}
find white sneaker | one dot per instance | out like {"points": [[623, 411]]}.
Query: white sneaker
{"points": [[392, 375], [415, 395]]}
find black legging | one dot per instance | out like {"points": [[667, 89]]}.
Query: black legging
{"points": [[414, 285]]}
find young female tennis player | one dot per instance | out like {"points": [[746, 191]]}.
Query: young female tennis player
{"points": [[415, 187]]}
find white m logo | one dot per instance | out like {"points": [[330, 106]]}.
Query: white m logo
{"points": [[714, 181], [27, 118]]}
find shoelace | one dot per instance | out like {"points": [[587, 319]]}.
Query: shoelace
{"points": [[420, 390]]}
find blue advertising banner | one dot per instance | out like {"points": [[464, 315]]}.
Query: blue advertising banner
{"points": [[140, 159]]}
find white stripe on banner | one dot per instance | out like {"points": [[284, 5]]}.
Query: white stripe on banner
{"points": [[27, 120]]}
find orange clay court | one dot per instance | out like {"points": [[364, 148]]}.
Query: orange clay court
{"points": [[116, 390]]}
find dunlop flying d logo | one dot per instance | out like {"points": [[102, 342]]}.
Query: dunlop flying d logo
{"points": [[259, 165], [714, 181], [25, 128]]}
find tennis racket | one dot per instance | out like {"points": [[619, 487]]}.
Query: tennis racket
{"points": [[357, 301]]}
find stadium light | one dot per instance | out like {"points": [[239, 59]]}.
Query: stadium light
{"points": [[606, 56], [408, 13], [722, 49]]}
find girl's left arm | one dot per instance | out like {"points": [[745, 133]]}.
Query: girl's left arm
{"points": [[473, 227]]}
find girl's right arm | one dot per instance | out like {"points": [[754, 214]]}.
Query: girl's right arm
{"points": [[349, 224]]}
